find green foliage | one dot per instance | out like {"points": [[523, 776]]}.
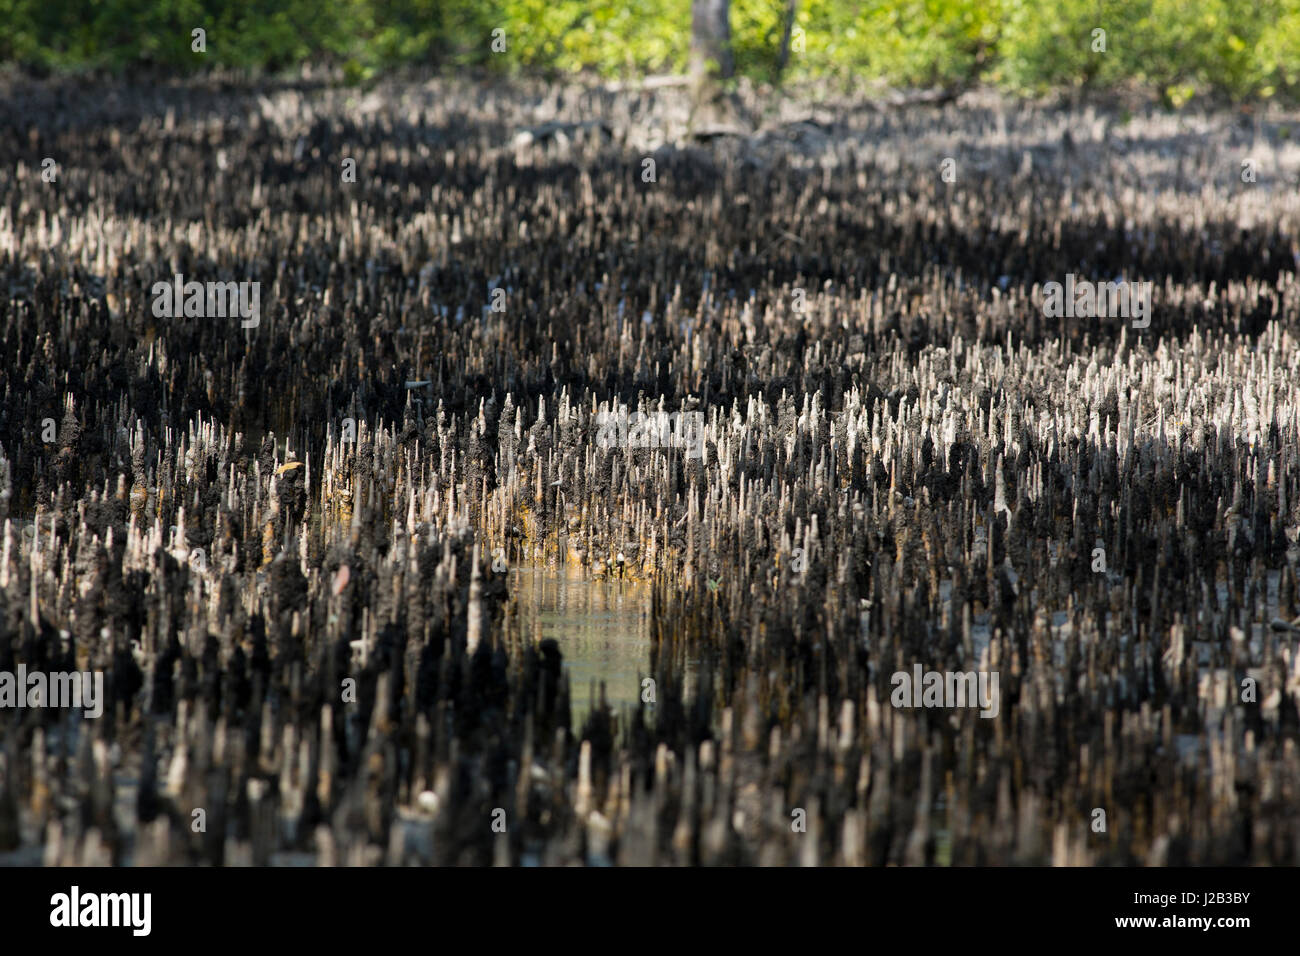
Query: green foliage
{"points": [[1180, 47], [756, 30], [607, 37], [1177, 46], [906, 42]]}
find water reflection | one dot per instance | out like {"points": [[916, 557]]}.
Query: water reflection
{"points": [[602, 627]]}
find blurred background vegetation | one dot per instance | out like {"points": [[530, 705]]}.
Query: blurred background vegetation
{"points": [[1181, 48]]}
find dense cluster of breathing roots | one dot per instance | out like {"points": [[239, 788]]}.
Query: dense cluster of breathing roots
{"points": [[902, 462]]}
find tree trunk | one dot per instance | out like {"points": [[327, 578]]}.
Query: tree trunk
{"points": [[783, 57], [711, 38], [711, 62]]}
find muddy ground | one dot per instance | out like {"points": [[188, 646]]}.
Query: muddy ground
{"points": [[796, 378]]}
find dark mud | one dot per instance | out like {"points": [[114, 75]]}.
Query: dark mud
{"points": [[916, 467]]}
